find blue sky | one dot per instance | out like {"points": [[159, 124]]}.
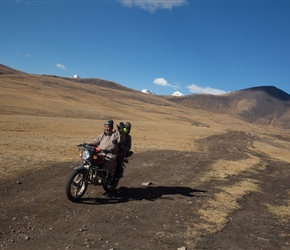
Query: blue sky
{"points": [[163, 46]]}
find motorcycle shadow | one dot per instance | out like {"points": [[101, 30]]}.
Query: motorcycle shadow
{"points": [[124, 194]]}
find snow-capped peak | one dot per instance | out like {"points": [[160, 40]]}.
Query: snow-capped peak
{"points": [[146, 91]]}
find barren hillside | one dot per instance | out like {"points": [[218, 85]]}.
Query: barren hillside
{"points": [[73, 110], [217, 181]]}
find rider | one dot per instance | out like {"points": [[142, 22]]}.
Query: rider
{"points": [[127, 141], [124, 129], [109, 140]]}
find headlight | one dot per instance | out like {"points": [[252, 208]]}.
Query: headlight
{"points": [[86, 154]]}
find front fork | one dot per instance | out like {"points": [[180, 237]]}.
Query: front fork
{"points": [[94, 174]]}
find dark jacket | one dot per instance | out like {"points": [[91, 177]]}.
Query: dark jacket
{"points": [[126, 144]]}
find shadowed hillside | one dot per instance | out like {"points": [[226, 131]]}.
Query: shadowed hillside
{"points": [[102, 83], [6, 70], [262, 105]]}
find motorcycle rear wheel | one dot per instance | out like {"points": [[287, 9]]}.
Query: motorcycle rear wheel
{"points": [[111, 186], [76, 186]]}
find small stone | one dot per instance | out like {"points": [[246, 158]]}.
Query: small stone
{"points": [[147, 183]]}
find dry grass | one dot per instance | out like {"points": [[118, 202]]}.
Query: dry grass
{"points": [[217, 209], [221, 169], [33, 142], [43, 118], [282, 212], [215, 213], [276, 149]]}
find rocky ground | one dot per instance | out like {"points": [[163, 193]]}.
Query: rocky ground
{"points": [[182, 208]]}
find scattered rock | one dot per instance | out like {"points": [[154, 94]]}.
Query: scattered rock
{"points": [[147, 183], [26, 237]]}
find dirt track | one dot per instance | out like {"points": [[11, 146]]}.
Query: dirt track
{"points": [[186, 205]]}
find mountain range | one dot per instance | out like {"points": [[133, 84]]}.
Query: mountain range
{"points": [[265, 105]]}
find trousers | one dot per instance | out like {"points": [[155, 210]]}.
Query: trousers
{"points": [[110, 163]]}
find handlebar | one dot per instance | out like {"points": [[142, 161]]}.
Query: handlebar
{"points": [[91, 146]]}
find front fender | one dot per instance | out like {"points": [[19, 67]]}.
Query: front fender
{"points": [[82, 170], [81, 167]]}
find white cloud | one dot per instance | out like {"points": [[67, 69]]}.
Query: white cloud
{"points": [[153, 5], [207, 90], [27, 56], [60, 66], [163, 83]]}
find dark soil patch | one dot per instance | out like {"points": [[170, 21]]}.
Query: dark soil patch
{"points": [[35, 214]]}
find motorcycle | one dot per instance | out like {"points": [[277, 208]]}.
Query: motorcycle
{"points": [[91, 172]]}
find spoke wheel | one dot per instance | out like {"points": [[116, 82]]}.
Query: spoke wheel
{"points": [[76, 186]]}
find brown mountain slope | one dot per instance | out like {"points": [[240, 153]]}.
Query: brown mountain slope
{"points": [[7, 70], [45, 95], [50, 112], [217, 182], [57, 96], [262, 105], [53, 114]]}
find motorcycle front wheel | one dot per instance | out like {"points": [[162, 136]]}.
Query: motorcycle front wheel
{"points": [[111, 186], [76, 185]]}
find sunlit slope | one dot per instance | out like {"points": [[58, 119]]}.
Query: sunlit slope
{"points": [[25, 94], [52, 96], [43, 118]]}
